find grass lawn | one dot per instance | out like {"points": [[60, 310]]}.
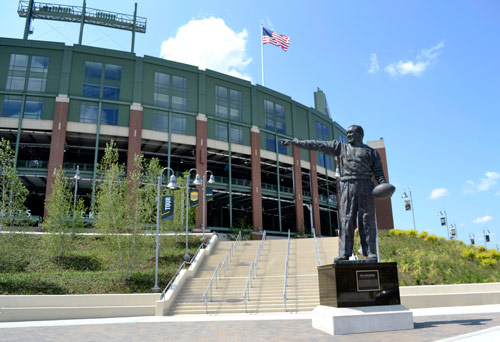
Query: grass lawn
{"points": [[29, 264]]}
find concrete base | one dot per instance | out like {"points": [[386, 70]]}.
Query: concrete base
{"points": [[362, 319]]}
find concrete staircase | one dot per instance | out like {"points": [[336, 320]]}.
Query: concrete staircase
{"points": [[266, 292]]}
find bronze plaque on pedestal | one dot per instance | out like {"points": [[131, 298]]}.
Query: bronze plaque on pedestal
{"points": [[368, 280]]}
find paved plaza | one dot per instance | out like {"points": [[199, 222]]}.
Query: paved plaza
{"points": [[474, 323]]}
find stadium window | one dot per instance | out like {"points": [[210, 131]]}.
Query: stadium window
{"points": [[109, 115], [170, 90], [323, 133], [179, 92], [221, 131], [92, 79], [160, 121], [275, 117], [26, 74], [33, 108], [11, 106], [228, 103], [16, 77], [162, 90], [88, 112], [236, 135], [95, 79], [37, 79], [178, 124]]}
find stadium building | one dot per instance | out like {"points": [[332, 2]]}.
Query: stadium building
{"points": [[61, 104]]}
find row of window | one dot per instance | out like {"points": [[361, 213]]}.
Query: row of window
{"points": [[103, 81]]}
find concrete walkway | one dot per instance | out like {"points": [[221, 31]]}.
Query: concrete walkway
{"points": [[468, 323]]}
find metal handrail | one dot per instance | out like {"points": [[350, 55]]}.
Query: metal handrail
{"points": [[205, 295], [225, 262], [238, 239], [246, 293], [259, 250], [317, 251], [227, 259], [285, 281], [203, 245]]}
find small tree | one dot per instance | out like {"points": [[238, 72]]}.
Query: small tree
{"points": [[59, 205], [12, 191]]}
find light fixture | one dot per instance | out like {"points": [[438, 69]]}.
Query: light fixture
{"points": [[172, 185], [197, 180]]}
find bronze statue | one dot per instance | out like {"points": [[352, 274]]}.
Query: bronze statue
{"points": [[358, 162]]}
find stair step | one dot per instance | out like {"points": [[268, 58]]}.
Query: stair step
{"points": [[266, 292]]}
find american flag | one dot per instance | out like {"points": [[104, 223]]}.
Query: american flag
{"points": [[271, 37]]}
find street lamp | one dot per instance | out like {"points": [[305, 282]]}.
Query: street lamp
{"points": [[453, 228], [197, 181], [486, 233], [411, 204], [76, 177], [173, 186], [445, 218], [211, 180]]}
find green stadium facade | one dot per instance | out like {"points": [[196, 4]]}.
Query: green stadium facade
{"points": [[61, 104]]}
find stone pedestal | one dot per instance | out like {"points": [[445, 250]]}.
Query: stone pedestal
{"points": [[360, 297], [363, 319], [357, 283]]}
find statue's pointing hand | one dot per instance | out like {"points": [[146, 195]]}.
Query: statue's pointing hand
{"points": [[286, 142]]}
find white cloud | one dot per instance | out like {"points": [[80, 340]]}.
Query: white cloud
{"points": [[439, 192], [483, 219], [374, 67], [209, 43], [416, 67], [490, 180]]}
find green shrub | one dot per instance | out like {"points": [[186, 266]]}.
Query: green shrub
{"points": [[469, 254], [481, 249], [441, 238], [396, 232], [488, 262], [411, 232], [494, 254], [460, 242], [432, 238], [484, 255], [423, 235]]}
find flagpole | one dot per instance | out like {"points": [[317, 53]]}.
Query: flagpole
{"points": [[262, 52]]}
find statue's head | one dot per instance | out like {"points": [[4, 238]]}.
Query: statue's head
{"points": [[355, 135]]}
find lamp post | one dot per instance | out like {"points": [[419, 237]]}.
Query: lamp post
{"points": [[77, 178], [442, 214], [197, 181], [309, 206], [173, 186], [211, 180], [411, 204]]}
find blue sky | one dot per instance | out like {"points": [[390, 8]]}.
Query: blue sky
{"points": [[424, 75]]}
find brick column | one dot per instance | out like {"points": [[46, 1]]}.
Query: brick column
{"points": [[57, 141], [201, 163], [383, 206], [134, 136], [314, 193], [256, 180], [297, 178]]}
